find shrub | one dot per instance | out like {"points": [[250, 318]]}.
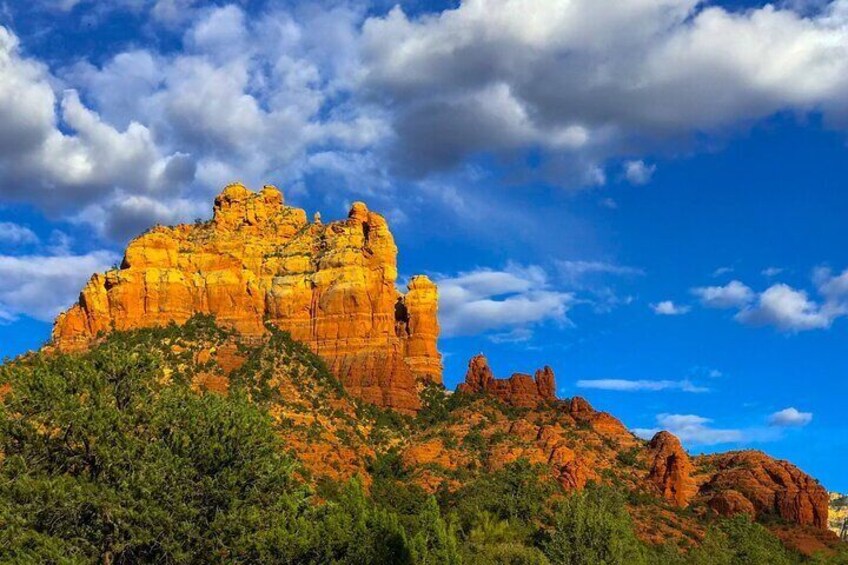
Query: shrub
{"points": [[519, 492], [435, 541], [738, 541], [592, 527]]}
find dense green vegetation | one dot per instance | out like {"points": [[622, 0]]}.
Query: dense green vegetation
{"points": [[104, 460]]}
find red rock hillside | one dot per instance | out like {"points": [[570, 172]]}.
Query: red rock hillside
{"points": [[332, 286], [582, 444]]}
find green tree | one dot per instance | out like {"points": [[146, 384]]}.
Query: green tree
{"points": [[739, 541], [435, 541], [104, 462], [353, 530], [519, 492], [592, 527], [499, 542]]}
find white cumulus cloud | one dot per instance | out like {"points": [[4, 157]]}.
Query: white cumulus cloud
{"points": [[790, 417], [258, 96], [638, 172], [584, 79], [692, 429], [483, 300], [787, 309], [41, 286], [669, 308], [734, 294], [782, 306]]}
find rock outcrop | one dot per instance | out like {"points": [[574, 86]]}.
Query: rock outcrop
{"points": [[518, 390], [332, 286], [671, 470], [756, 484]]}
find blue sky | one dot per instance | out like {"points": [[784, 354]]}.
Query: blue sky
{"points": [[649, 196]]}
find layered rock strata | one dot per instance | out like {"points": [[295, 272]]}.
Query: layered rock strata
{"points": [[332, 286]]}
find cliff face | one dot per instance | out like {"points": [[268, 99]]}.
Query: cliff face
{"points": [[332, 286]]}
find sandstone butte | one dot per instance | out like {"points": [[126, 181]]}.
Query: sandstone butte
{"points": [[332, 286]]}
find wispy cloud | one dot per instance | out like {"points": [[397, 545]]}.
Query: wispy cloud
{"points": [[15, 234], [734, 294], [516, 335], [639, 385], [708, 372], [575, 271], [790, 417]]}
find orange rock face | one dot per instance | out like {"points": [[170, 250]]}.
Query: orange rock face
{"points": [[758, 485], [332, 286], [671, 470], [518, 390]]}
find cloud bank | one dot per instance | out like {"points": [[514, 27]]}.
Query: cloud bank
{"points": [[365, 98], [484, 300]]}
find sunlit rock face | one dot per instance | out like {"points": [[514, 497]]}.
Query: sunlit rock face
{"points": [[332, 286]]}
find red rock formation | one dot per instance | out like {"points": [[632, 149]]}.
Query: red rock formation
{"points": [[671, 471], [332, 286], [579, 407], [754, 483], [604, 423], [518, 390], [731, 502]]}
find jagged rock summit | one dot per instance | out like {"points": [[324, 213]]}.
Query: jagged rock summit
{"points": [[332, 286], [518, 390]]}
